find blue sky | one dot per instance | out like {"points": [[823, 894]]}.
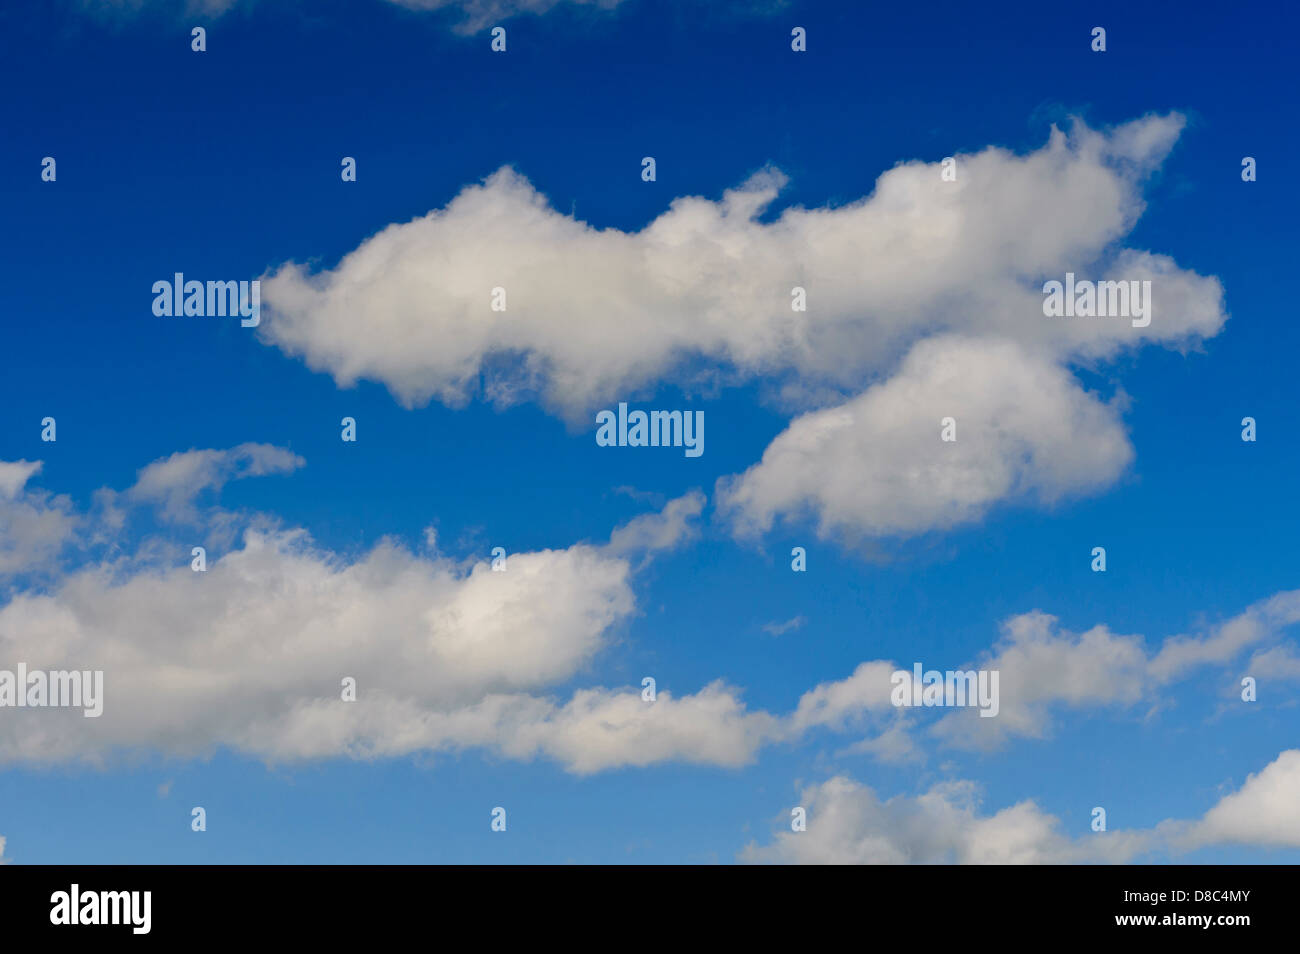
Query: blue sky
{"points": [[226, 165]]}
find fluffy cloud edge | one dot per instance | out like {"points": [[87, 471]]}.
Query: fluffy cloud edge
{"points": [[848, 823], [593, 315]]}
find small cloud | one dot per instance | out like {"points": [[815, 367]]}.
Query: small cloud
{"points": [[174, 482], [15, 474], [779, 629], [650, 497], [665, 530]]}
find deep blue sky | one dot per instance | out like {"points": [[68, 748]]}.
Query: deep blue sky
{"points": [[227, 163]]}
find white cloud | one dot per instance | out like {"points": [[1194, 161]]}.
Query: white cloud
{"points": [[239, 655], [14, 476], [895, 744], [595, 314], [1040, 668], [37, 528], [876, 465], [1043, 669], [1227, 640], [848, 823], [1264, 811], [665, 530], [447, 655], [835, 704], [174, 482], [597, 730], [944, 277], [251, 654], [1276, 663], [34, 525]]}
